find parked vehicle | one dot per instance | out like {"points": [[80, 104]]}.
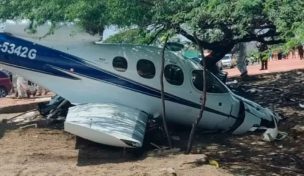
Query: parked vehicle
{"points": [[5, 84], [227, 61]]}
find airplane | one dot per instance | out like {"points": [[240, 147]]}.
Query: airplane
{"points": [[116, 87]]}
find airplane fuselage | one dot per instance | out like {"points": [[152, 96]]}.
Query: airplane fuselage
{"points": [[129, 75]]}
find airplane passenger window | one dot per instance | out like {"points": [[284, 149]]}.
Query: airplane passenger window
{"points": [[213, 85], [174, 74], [120, 64], [145, 68]]}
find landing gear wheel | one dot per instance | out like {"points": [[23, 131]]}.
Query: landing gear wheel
{"points": [[3, 92]]}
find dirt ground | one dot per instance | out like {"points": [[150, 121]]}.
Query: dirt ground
{"points": [[47, 150]]}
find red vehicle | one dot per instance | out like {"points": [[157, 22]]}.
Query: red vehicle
{"points": [[5, 84]]}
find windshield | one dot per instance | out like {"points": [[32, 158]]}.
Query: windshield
{"points": [[213, 84]]}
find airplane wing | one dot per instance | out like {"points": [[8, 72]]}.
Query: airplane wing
{"points": [[109, 124]]}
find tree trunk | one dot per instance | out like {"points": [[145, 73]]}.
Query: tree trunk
{"points": [[100, 33], [162, 92], [204, 93], [218, 52]]}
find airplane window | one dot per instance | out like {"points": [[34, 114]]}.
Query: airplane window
{"points": [[120, 64], [213, 85], [145, 68], [174, 74]]}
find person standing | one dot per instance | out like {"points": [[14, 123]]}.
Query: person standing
{"points": [[300, 51], [241, 60], [264, 61], [293, 53], [22, 87], [263, 56]]}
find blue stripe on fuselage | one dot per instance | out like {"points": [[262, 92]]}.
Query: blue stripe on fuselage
{"points": [[45, 57], [48, 60]]}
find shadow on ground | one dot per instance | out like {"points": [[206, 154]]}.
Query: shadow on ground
{"points": [[90, 153]]}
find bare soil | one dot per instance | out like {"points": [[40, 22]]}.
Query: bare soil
{"points": [[48, 150]]}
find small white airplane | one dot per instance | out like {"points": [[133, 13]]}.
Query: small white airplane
{"points": [[116, 87]]}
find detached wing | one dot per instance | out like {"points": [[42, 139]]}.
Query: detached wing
{"points": [[109, 124]]}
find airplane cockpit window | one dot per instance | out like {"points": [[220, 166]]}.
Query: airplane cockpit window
{"points": [[213, 85], [145, 68], [174, 74], [120, 64]]}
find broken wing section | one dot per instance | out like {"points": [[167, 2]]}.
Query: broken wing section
{"points": [[109, 124]]}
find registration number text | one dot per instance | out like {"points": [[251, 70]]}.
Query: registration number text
{"points": [[18, 50]]}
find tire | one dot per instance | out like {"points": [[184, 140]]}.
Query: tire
{"points": [[3, 92]]}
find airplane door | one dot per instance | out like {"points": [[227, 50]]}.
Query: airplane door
{"points": [[219, 102]]}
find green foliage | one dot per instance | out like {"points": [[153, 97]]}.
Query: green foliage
{"points": [[91, 15], [288, 17], [129, 12], [219, 24]]}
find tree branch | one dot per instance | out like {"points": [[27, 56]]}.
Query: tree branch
{"points": [[156, 34], [260, 38], [219, 48], [218, 25], [255, 36], [162, 92], [203, 98], [184, 33], [272, 42]]}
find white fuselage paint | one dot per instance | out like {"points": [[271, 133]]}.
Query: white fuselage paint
{"points": [[88, 90]]}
